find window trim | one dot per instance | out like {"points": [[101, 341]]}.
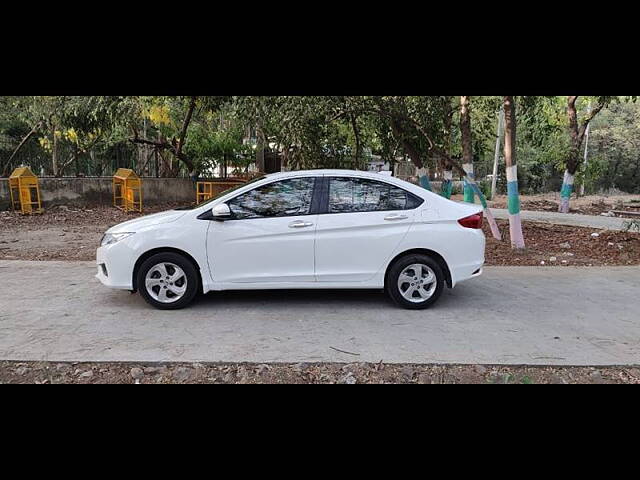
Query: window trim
{"points": [[326, 192], [314, 198]]}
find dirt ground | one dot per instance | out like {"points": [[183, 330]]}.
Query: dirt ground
{"points": [[74, 234], [60, 233], [560, 245], [325, 373], [588, 205]]}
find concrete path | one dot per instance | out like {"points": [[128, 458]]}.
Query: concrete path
{"points": [[592, 221], [512, 315]]}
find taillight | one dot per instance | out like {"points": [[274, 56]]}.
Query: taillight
{"points": [[472, 221]]}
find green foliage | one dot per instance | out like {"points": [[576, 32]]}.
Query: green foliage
{"points": [[94, 135], [214, 141], [485, 188], [613, 149]]}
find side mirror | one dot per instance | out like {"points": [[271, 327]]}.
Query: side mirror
{"points": [[221, 212]]}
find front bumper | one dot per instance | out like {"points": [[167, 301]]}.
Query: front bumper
{"points": [[115, 268]]}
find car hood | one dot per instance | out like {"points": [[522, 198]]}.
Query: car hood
{"points": [[147, 221]]}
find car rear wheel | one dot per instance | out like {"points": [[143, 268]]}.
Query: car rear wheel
{"points": [[168, 281], [415, 282]]}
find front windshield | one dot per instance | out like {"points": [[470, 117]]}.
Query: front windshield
{"points": [[221, 194]]}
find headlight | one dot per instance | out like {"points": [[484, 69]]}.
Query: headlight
{"points": [[110, 238]]}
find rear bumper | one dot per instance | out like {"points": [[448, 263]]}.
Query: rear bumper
{"points": [[471, 259], [469, 273]]}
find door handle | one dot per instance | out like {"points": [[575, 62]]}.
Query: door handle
{"points": [[391, 218], [300, 224]]}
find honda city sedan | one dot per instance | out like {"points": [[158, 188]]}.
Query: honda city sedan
{"points": [[322, 229]]}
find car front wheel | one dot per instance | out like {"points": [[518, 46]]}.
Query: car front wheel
{"points": [[167, 281], [415, 282]]}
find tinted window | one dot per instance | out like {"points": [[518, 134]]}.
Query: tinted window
{"points": [[361, 195], [279, 199]]}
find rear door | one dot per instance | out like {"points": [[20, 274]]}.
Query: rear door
{"points": [[365, 221]]}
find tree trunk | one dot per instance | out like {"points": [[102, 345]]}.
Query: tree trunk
{"points": [[54, 154], [515, 223], [574, 152], [577, 133], [467, 148], [586, 156], [356, 134], [260, 165], [447, 172]]}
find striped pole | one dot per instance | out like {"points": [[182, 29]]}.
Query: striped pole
{"points": [[447, 184], [513, 202]]}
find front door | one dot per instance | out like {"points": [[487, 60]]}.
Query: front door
{"points": [[270, 237]]}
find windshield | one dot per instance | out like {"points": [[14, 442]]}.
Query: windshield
{"points": [[221, 194]]}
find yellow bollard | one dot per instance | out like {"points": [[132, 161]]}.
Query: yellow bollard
{"points": [[127, 190], [207, 190], [25, 191]]}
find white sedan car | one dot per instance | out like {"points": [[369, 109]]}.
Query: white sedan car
{"points": [[308, 229]]}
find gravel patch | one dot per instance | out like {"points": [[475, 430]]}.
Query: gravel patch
{"points": [[311, 373]]}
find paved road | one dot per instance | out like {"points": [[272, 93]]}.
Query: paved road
{"points": [[593, 221], [513, 315]]}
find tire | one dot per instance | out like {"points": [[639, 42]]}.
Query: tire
{"points": [[168, 281], [415, 291]]}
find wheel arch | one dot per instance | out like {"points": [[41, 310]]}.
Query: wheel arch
{"points": [[155, 251], [422, 251]]}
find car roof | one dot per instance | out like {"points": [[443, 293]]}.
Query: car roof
{"points": [[328, 171]]}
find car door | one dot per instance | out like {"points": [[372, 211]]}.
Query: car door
{"points": [[365, 221], [270, 237]]}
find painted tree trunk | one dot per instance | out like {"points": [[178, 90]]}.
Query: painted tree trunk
{"points": [[469, 191], [467, 147], [447, 184], [423, 178], [513, 202], [513, 196], [565, 193]]}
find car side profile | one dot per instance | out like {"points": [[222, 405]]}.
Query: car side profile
{"points": [[326, 229]]}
